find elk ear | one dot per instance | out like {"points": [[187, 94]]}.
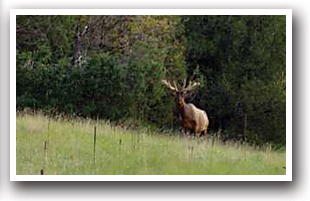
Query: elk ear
{"points": [[188, 95]]}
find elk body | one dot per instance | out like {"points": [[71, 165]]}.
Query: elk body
{"points": [[193, 119]]}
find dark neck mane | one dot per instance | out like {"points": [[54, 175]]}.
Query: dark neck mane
{"points": [[181, 109]]}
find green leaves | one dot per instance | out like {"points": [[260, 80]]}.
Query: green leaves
{"points": [[243, 59], [111, 67]]}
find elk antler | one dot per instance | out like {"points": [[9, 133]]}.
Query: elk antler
{"points": [[190, 86], [167, 83], [184, 83]]}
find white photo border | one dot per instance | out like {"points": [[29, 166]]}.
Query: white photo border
{"points": [[15, 12]]}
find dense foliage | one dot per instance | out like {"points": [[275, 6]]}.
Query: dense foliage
{"points": [[110, 67]]}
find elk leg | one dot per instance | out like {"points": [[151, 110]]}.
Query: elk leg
{"points": [[186, 133], [200, 135], [204, 133]]}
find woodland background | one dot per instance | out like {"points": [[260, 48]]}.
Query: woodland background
{"points": [[110, 67]]}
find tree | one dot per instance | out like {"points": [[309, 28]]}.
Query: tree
{"points": [[111, 67]]}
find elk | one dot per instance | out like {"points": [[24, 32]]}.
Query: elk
{"points": [[193, 119]]}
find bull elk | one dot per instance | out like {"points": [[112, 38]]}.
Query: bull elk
{"points": [[193, 119]]}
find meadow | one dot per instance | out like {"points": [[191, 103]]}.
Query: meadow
{"points": [[90, 147]]}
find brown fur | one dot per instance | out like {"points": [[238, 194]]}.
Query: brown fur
{"points": [[192, 118]]}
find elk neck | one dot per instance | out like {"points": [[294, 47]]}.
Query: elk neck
{"points": [[181, 108]]}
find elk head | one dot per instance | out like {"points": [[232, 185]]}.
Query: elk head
{"points": [[183, 92]]}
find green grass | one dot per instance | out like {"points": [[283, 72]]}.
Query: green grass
{"points": [[70, 151]]}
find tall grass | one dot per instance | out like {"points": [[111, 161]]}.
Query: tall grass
{"points": [[69, 150]]}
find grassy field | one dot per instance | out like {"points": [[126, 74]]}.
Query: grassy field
{"points": [[66, 147]]}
